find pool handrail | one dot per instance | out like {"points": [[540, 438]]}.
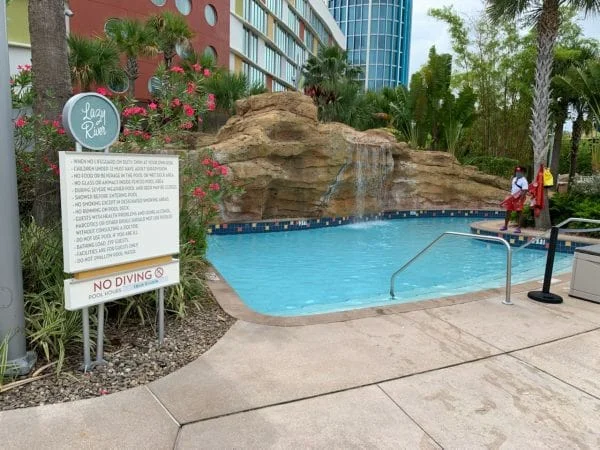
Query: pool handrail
{"points": [[506, 300], [546, 234]]}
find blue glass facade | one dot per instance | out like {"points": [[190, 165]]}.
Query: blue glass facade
{"points": [[378, 38]]}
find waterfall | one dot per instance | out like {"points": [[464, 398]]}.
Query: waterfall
{"points": [[371, 170]]}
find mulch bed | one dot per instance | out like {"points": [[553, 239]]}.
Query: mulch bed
{"points": [[133, 359]]}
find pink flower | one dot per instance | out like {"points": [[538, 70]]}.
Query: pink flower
{"points": [[212, 98], [177, 69], [209, 173], [56, 124], [134, 110], [20, 122], [189, 111], [167, 139], [137, 133], [26, 168], [191, 241], [102, 91], [187, 125], [60, 131], [191, 88], [211, 105], [224, 170], [206, 162], [196, 67], [24, 68], [206, 73], [199, 193], [214, 186], [126, 132], [153, 106], [176, 102], [147, 136], [215, 164]]}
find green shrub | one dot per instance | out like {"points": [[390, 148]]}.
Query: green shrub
{"points": [[576, 204], [584, 157], [499, 166]]}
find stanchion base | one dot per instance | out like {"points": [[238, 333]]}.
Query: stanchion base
{"points": [[545, 297]]}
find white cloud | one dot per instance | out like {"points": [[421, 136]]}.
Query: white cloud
{"points": [[427, 31]]}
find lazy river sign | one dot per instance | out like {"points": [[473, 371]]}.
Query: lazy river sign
{"points": [[92, 120]]}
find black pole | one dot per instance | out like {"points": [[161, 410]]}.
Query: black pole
{"points": [[545, 296]]}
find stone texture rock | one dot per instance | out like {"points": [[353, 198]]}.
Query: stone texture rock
{"points": [[290, 165]]}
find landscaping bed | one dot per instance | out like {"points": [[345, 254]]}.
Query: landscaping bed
{"points": [[133, 359]]}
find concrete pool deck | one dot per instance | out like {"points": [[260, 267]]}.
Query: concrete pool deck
{"points": [[474, 374]]}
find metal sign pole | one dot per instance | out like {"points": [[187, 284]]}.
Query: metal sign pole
{"points": [[161, 316], [85, 316], [12, 309], [100, 329]]}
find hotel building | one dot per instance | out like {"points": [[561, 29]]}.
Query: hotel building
{"points": [[378, 38]]}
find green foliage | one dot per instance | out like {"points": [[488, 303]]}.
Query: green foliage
{"points": [[577, 203], [169, 30], [228, 87], [94, 61], [584, 160], [134, 39], [4, 366], [51, 329], [493, 165]]}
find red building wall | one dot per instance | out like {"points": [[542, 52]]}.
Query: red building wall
{"points": [[91, 15]]}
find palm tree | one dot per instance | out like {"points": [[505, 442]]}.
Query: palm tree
{"points": [[580, 83], [169, 30], [332, 82], [229, 87], [51, 88], [546, 16], [134, 39], [94, 61], [563, 94]]}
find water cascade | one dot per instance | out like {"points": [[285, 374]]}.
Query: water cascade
{"points": [[373, 165]]}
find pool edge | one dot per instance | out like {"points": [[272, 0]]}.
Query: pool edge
{"points": [[233, 305]]}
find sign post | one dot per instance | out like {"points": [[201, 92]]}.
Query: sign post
{"points": [[120, 217], [12, 315]]}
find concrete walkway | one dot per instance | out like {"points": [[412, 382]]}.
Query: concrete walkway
{"points": [[472, 375]]}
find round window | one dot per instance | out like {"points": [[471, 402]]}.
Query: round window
{"points": [[210, 14], [184, 6], [210, 51], [154, 85], [119, 86], [159, 2], [108, 26], [183, 49]]}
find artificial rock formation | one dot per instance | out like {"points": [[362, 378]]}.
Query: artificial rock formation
{"points": [[290, 165]]}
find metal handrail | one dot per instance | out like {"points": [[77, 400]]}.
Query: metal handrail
{"points": [[546, 234], [506, 301]]}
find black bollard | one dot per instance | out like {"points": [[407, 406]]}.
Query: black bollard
{"points": [[545, 296]]}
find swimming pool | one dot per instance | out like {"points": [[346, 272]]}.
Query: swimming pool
{"points": [[347, 267]]}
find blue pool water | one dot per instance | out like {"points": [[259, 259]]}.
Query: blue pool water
{"points": [[335, 269]]}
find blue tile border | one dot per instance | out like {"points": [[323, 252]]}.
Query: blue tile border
{"points": [[270, 226], [275, 225], [562, 246]]}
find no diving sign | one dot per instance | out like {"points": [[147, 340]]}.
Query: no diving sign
{"points": [[93, 291]]}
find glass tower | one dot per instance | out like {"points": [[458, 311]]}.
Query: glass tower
{"points": [[378, 38]]}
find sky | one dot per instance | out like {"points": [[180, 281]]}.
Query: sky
{"points": [[427, 31]]}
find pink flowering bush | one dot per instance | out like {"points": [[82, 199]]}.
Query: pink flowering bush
{"points": [[205, 185], [177, 107]]}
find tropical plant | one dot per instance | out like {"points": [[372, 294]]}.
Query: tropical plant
{"points": [[458, 112], [169, 30], [546, 17], [228, 87], [176, 108], [332, 83], [94, 61], [134, 39], [428, 88]]}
